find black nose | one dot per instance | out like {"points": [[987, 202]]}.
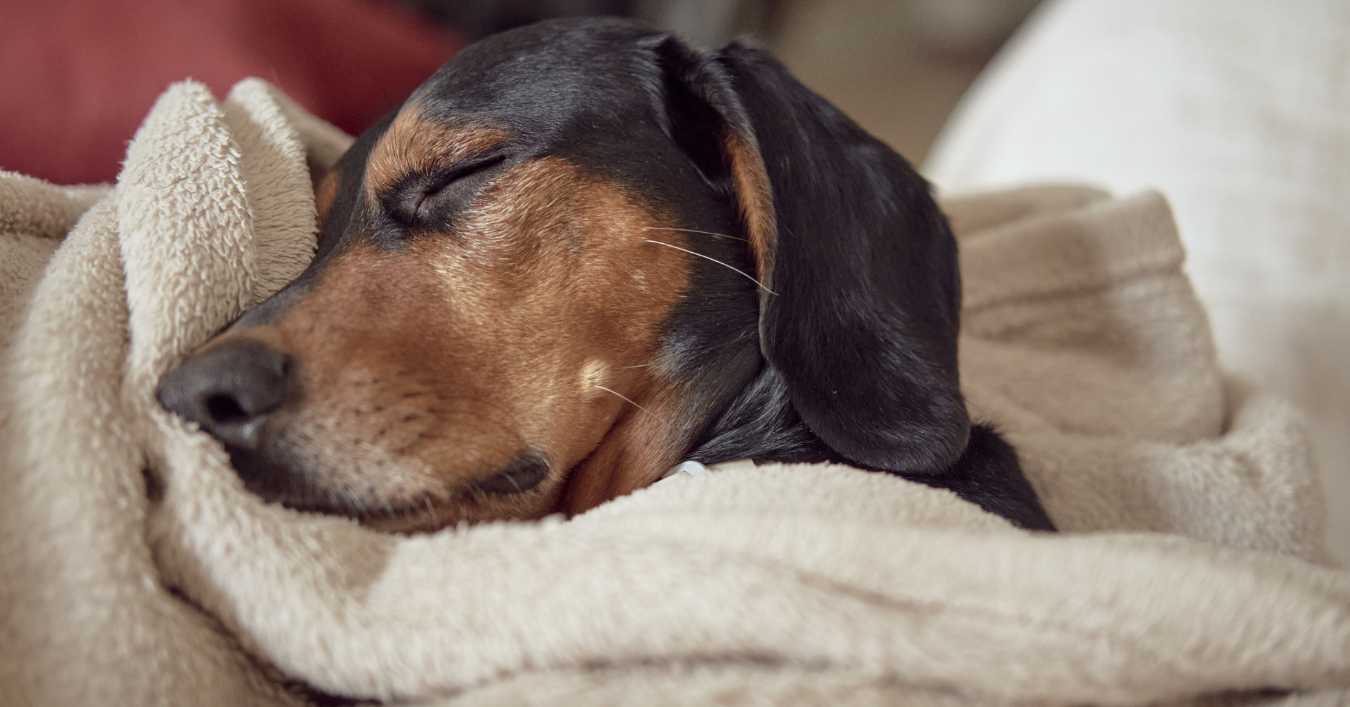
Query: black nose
{"points": [[228, 390]]}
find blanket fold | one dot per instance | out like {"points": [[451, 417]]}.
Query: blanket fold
{"points": [[137, 570]]}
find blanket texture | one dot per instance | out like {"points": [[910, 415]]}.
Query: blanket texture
{"points": [[134, 568]]}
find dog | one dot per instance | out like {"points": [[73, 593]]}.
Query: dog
{"points": [[583, 252]]}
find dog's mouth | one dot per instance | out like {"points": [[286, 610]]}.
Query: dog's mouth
{"points": [[425, 511]]}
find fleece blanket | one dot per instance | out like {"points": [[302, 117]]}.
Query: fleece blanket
{"points": [[135, 569]]}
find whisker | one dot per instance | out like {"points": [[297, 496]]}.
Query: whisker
{"points": [[621, 396], [639, 365], [715, 260], [693, 230]]}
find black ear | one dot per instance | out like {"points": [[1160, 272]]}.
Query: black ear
{"points": [[861, 309]]}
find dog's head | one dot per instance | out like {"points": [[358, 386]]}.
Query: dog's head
{"points": [[580, 253]]}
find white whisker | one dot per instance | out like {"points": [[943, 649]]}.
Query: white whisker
{"points": [[621, 396], [715, 260], [693, 230]]}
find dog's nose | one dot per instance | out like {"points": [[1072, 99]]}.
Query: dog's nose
{"points": [[229, 390]]}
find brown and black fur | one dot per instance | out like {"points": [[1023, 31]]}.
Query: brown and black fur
{"points": [[582, 252]]}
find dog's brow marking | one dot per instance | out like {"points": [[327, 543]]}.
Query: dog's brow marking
{"points": [[742, 273], [621, 396], [694, 230]]}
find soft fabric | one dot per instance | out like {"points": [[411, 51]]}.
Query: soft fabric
{"points": [[136, 569], [1238, 112]]}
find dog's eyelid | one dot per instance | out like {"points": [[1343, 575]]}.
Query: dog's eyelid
{"points": [[465, 168], [422, 196]]}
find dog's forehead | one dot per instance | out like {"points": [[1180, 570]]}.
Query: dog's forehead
{"points": [[536, 78], [585, 91]]}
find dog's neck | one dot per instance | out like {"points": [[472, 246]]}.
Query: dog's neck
{"points": [[761, 424]]}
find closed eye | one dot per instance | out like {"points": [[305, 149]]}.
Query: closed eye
{"points": [[432, 199]]}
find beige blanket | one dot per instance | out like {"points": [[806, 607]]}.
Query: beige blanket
{"points": [[135, 570]]}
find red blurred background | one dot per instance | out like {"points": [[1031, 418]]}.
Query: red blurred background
{"points": [[80, 75]]}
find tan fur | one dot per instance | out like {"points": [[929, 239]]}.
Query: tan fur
{"points": [[325, 192], [425, 368], [755, 193], [638, 450], [413, 145]]}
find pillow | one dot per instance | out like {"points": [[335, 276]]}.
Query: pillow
{"points": [[1237, 112]]}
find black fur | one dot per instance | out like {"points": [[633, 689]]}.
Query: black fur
{"points": [[863, 319], [859, 337]]}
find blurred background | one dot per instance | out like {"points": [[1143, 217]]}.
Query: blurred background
{"points": [[82, 73]]}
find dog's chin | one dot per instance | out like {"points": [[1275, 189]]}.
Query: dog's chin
{"points": [[425, 518], [466, 508], [515, 491]]}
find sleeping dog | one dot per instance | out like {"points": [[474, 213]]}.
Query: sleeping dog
{"points": [[582, 252]]}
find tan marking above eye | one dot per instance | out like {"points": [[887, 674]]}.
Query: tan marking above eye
{"points": [[414, 144], [325, 192]]}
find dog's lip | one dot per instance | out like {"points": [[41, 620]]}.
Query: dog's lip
{"points": [[521, 474], [425, 512]]}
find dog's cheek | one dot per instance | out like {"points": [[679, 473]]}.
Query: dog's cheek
{"points": [[635, 453]]}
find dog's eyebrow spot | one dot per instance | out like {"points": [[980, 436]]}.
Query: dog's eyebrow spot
{"points": [[325, 191], [594, 374], [414, 144]]}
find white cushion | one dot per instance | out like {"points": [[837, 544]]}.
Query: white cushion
{"points": [[1240, 114]]}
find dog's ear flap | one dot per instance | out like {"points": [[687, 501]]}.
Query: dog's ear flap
{"points": [[859, 310]]}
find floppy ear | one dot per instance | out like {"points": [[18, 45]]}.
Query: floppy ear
{"points": [[860, 307]]}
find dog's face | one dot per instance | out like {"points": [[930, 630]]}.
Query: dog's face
{"points": [[558, 269]]}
